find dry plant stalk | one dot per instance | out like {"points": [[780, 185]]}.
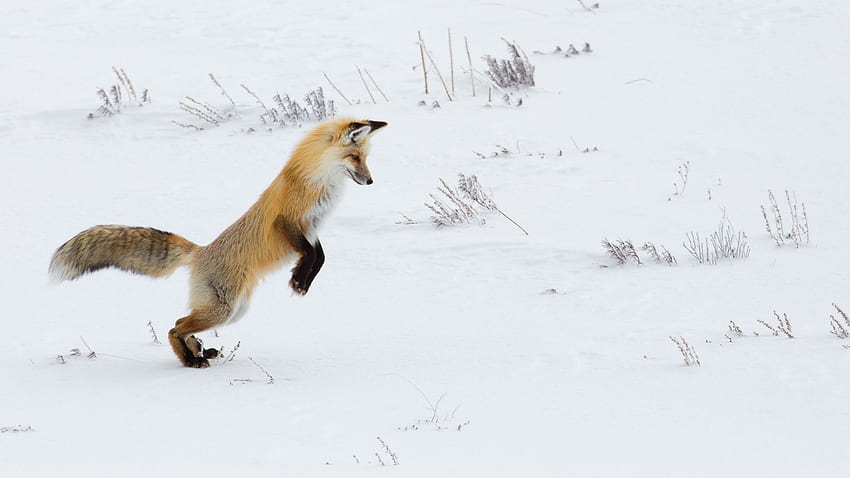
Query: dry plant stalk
{"points": [[203, 111], [260, 102], [268, 375], [733, 327], [113, 101], [223, 92], [724, 243], [436, 68], [581, 2], [630, 252], [188, 126], [368, 90], [682, 171], [615, 250], [469, 59], [799, 232], [689, 355], [388, 451], [775, 237], [232, 354], [92, 354], [451, 62], [783, 325], [125, 82], [777, 216], [769, 327], [376, 85], [460, 209], [466, 204], [839, 329], [422, 55], [153, 333], [335, 88], [663, 257], [16, 429], [625, 251]]}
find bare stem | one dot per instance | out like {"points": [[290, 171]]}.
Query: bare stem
{"points": [[451, 62], [271, 379], [376, 84], [263, 105], [469, 58], [437, 69], [422, 55], [363, 79], [337, 89], [222, 89], [515, 223]]}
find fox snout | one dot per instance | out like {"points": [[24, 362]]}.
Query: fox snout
{"points": [[360, 178]]}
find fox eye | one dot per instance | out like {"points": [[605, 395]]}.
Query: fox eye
{"points": [[355, 158]]}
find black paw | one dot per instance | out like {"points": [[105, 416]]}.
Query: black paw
{"points": [[195, 362], [298, 286], [211, 353]]}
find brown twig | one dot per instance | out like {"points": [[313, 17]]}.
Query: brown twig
{"points": [[469, 59], [436, 69], [271, 379], [260, 102], [451, 62], [376, 84], [335, 88], [422, 55], [222, 89], [363, 79]]}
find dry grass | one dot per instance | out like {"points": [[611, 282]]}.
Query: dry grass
{"points": [[465, 204], [798, 233], [117, 97], [689, 355], [681, 184], [724, 243], [625, 251], [515, 72], [783, 325], [838, 326]]}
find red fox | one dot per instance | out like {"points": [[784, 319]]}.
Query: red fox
{"points": [[281, 225]]}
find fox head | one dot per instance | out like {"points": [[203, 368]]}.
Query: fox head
{"points": [[353, 140], [335, 151]]}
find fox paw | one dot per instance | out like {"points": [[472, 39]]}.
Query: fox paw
{"points": [[192, 361], [196, 362], [211, 353], [297, 286]]}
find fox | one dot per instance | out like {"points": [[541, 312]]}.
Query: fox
{"points": [[278, 229]]}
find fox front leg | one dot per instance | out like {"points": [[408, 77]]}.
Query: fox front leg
{"points": [[303, 272], [317, 264], [313, 256]]}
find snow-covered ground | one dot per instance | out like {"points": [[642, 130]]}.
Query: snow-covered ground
{"points": [[447, 343]]}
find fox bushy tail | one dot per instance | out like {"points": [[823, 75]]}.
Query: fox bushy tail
{"points": [[140, 250]]}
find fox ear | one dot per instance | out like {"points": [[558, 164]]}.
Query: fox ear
{"points": [[376, 125], [358, 131]]}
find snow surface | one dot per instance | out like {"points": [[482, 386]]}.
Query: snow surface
{"points": [[581, 382]]}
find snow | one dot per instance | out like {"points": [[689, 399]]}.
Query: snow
{"points": [[581, 382]]}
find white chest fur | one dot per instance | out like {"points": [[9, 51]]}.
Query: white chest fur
{"points": [[325, 204]]}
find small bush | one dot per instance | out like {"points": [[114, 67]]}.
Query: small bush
{"points": [[515, 72]]}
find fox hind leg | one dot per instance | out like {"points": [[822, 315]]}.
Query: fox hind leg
{"points": [[188, 348]]}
